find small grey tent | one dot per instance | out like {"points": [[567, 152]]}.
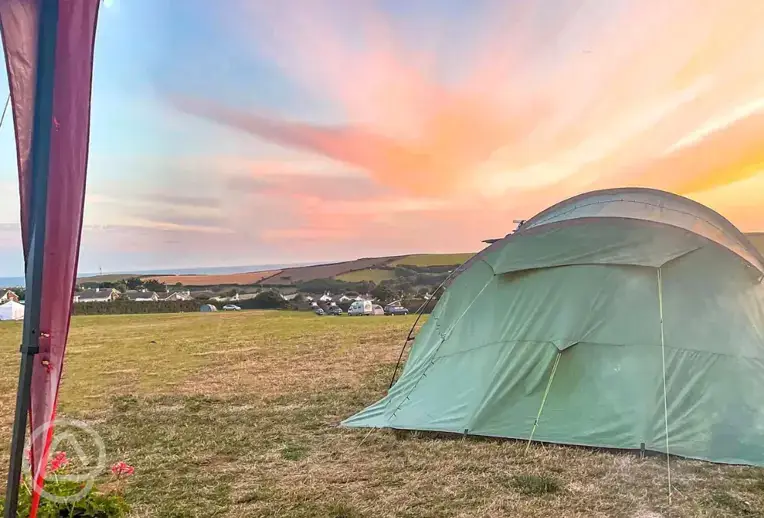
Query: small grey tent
{"points": [[207, 308], [617, 318]]}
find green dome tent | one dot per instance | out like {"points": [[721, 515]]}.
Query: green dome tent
{"points": [[625, 318]]}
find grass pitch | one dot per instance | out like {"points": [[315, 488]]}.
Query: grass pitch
{"points": [[235, 414]]}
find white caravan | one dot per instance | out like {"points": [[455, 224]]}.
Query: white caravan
{"points": [[361, 307]]}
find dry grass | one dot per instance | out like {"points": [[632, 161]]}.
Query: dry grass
{"points": [[215, 280], [290, 276], [236, 415], [371, 274]]}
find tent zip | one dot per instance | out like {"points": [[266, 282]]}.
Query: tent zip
{"points": [[543, 400]]}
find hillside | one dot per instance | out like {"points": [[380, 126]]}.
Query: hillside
{"points": [[757, 239], [214, 280], [406, 268]]}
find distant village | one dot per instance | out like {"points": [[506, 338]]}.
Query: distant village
{"points": [[146, 295]]}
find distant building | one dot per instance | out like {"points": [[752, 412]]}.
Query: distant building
{"points": [[8, 296], [141, 296], [175, 296], [97, 295], [326, 297]]}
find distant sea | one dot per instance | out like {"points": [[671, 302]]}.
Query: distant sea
{"points": [[11, 282]]}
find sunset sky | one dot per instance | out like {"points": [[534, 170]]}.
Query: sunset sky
{"points": [[307, 130]]}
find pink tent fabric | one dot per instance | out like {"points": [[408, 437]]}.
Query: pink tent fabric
{"points": [[69, 132]]}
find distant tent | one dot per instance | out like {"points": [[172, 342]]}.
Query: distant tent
{"points": [[206, 308], [12, 310], [624, 318]]}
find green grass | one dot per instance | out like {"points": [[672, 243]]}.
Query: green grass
{"points": [[236, 414], [371, 274], [432, 260]]}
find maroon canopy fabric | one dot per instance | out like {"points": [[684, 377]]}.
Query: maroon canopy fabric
{"points": [[68, 151]]}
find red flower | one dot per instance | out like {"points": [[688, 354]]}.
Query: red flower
{"points": [[59, 461], [122, 469]]}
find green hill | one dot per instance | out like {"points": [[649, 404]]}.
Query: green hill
{"points": [[757, 239], [432, 260]]}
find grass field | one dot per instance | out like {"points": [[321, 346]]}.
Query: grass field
{"points": [[373, 274], [432, 260], [236, 415]]}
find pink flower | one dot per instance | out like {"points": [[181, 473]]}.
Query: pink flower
{"points": [[122, 469], [59, 461]]}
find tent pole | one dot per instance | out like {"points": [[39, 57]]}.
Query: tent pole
{"points": [[37, 203], [543, 400], [665, 398]]}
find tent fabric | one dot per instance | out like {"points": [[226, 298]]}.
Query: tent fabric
{"points": [[12, 310], [63, 150], [603, 303], [658, 207]]}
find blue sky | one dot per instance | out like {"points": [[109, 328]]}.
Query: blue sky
{"points": [[306, 130]]}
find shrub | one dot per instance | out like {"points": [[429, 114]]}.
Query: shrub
{"points": [[268, 300], [94, 505], [72, 500], [122, 307], [318, 286]]}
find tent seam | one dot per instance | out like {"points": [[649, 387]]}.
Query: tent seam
{"points": [[443, 338], [668, 346]]}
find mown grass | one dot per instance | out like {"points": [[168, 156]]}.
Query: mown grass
{"points": [[236, 415], [432, 260], [372, 274]]}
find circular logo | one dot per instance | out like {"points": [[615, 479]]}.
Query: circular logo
{"points": [[85, 451]]}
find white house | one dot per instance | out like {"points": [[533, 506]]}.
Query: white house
{"points": [[326, 297], [97, 295], [8, 296], [141, 296], [175, 295], [345, 298]]}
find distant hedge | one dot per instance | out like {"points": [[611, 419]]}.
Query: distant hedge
{"points": [[122, 307]]}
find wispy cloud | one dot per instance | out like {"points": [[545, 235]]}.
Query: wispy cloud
{"points": [[662, 94]]}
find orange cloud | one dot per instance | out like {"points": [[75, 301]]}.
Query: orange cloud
{"points": [[544, 103]]}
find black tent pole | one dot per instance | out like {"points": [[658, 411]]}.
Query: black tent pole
{"points": [[37, 210]]}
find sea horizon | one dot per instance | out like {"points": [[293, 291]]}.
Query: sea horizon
{"points": [[20, 281]]}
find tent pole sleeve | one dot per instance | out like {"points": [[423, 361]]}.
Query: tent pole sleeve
{"points": [[663, 363], [40, 165], [543, 400]]}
